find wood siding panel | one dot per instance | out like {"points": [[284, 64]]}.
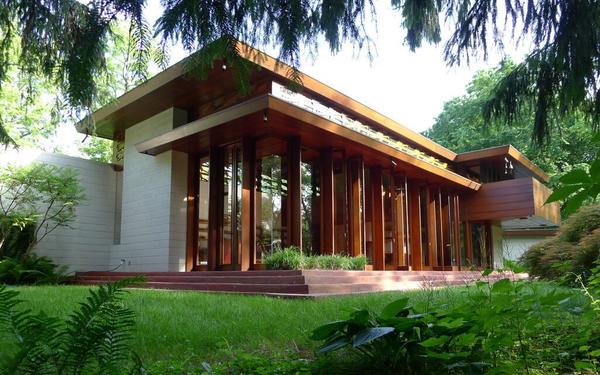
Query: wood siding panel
{"points": [[501, 200], [378, 219]]}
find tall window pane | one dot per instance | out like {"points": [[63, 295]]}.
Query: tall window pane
{"points": [[203, 196]]}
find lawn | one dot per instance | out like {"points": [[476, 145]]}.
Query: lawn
{"points": [[176, 326]]}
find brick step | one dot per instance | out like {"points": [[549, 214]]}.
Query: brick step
{"points": [[387, 273], [203, 273], [190, 278], [218, 287], [325, 279], [323, 289]]}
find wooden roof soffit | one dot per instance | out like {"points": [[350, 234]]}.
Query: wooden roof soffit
{"points": [[164, 142], [506, 150], [280, 70]]}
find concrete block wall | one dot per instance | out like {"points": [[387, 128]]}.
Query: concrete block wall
{"points": [[87, 243], [154, 192]]}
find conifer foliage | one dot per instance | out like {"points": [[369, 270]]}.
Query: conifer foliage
{"points": [[66, 40]]}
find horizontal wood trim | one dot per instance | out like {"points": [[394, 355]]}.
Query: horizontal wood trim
{"points": [[156, 145], [530, 233]]}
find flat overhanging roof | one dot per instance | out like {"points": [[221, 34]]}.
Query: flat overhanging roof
{"points": [[267, 105]]}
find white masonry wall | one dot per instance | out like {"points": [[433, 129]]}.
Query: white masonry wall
{"points": [[86, 245], [153, 215]]}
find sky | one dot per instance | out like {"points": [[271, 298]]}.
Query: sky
{"points": [[409, 87]]}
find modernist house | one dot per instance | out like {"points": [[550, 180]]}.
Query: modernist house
{"points": [[208, 179]]}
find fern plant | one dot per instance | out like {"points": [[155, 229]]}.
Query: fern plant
{"points": [[94, 338]]}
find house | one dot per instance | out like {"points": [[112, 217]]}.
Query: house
{"points": [[205, 178]]}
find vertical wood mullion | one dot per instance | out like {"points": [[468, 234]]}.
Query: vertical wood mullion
{"points": [[248, 204], [378, 219], [294, 219], [327, 203], [215, 206], [355, 234], [192, 213], [414, 200]]}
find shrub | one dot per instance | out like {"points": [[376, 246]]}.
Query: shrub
{"points": [[45, 194], [572, 252], [31, 269], [93, 339], [504, 328], [18, 236], [291, 258]]}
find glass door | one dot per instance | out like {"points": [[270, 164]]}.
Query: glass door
{"points": [[231, 218]]}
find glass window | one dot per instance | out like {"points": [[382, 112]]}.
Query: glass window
{"points": [[202, 210], [310, 191], [232, 206], [368, 251], [271, 195]]}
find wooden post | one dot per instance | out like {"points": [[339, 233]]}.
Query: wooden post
{"points": [[378, 219], [431, 227], [294, 219], [215, 206], [327, 203], [192, 213], [248, 209], [414, 226], [355, 235]]}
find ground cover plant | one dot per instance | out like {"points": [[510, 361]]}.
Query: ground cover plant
{"points": [[190, 333], [292, 258]]}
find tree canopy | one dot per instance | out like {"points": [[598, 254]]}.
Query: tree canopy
{"points": [[462, 127], [66, 41]]}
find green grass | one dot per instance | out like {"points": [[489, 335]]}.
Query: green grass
{"points": [[176, 326]]}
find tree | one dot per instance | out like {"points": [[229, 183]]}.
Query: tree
{"points": [[39, 193], [462, 127], [66, 41]]}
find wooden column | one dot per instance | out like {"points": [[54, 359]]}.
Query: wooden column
{"points": [[378, 219], [294, 215], [469, 243], [215, 206], [248, 209], [456, 229], [432, 241], [192, 213], [414, 226], [327, 203], [355, 235]]}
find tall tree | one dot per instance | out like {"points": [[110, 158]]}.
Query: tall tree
{"points": [[462, 127], [66, 40]]}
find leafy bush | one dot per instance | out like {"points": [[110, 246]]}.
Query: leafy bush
{"points": [[18, 236], [572, 252], [291, 258], [510, 327], [93, 339], [31, 269]]}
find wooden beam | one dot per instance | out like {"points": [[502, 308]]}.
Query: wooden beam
{"points": [[294, 219], [248, 207], [327, 202], [378, 219], [215, 206], [192, 214], [414, 225]]}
